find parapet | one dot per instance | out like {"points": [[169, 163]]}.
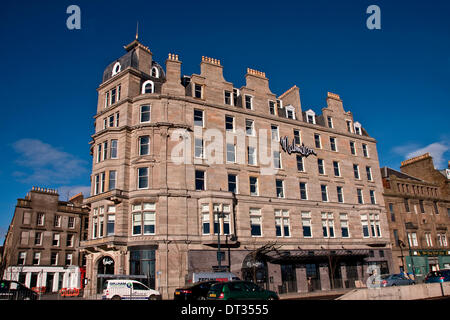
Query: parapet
{"points": [[416, 159]]}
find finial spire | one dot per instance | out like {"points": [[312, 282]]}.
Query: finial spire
{"points": [[137, 30]]}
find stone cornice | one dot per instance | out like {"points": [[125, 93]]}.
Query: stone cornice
{"points": [[100, 133]]}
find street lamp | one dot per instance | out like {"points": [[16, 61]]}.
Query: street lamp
{"points": [[221, 214], [232, 238]]}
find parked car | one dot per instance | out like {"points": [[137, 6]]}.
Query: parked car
{"points": [[437, 276], [13, 290], [195, 291], [119, 289], [390, 280], [240, 290]]}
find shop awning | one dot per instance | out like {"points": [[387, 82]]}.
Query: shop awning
{"points": [[315, 255]]}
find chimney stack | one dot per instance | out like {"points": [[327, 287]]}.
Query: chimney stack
{"points": [[257, 80], [211, 69], [173, 76]]}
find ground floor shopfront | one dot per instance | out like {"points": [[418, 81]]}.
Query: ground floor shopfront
{"points": [[47, 279], [421, 262], [299, 270], [168, 265], [135, 262]]}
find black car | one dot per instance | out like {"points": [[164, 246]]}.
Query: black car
{"points": [[438, 276], [195, 291], [13, 290], [240, 290]]}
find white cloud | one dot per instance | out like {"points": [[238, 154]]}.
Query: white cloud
{"points": [[437, 150], [44, 164]]}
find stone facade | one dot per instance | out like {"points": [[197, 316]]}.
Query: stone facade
{"points": [[163, 209], [41, 248], [418, 209]]}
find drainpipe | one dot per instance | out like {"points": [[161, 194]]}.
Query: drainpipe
{"points": [[166, 135], [167, 267]]}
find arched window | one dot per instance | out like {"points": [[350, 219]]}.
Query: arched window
{"points": [[116, 69], [148, 87], [155, 72]]}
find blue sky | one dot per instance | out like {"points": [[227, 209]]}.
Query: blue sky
{"points": [[394, 80]]}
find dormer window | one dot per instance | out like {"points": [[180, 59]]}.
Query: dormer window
{"points": [[198, 91], [279, 103], [357, 126], [290, 112], [155, 72], [227, 97], [311, 116], [272, 107], [330, 122], [236, 94], [248, 102], [116, 68], [148, 87], [349, 126]]}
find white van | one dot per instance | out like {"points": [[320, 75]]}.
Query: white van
{"points": [[128, 290]]}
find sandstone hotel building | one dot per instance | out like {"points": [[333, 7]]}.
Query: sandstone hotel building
{"points": [[288, 219]]}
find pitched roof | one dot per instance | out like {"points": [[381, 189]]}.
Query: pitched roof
{"points": [[387, 172]]}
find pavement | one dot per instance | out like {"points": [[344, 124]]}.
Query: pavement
{"points": [[314, 295], [438, 298], [56, 296], [318, 295]]}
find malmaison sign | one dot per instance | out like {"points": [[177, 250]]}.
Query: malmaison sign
{"points": [[293, 148], [208, 147]]}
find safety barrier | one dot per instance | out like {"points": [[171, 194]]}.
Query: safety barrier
{"points": [[412, 292], [39, 290], [69, 292]]}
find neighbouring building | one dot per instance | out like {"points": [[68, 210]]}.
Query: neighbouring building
{"points": [[181, 163], [2, 267], [41, 246], [418, 208]]}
